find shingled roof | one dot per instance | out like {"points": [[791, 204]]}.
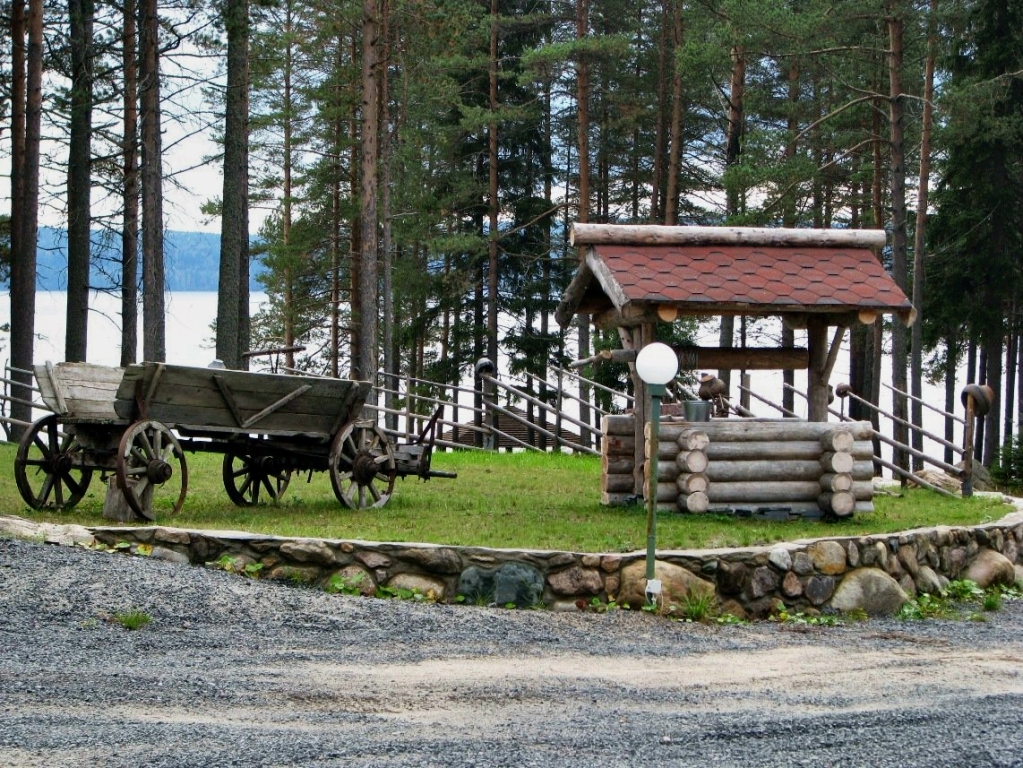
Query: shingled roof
{"points": [[737, 277]]}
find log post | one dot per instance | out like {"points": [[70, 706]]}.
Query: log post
{"points": [[971, 419], [817, 378], [115, 505]]}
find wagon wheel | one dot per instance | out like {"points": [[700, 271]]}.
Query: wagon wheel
{"points": [[47, 467], [362, 466], [150, 461], [246, 476]]}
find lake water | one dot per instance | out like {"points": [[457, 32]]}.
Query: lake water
{"points": [[189, 336]]}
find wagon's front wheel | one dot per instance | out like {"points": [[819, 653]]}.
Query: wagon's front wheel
{"points": [[48, 467], [247, 477], [362, 466], [151, 465]]}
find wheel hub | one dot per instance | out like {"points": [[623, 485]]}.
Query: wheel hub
{"points": [[159, 471], [364, 468]]}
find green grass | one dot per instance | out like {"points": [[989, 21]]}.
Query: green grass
{"points": [[522, 500]]}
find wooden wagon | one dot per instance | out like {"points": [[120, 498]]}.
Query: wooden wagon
{"points": [[137, 423]]}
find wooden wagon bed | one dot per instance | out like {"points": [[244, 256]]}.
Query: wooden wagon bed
{"points": [[137, 422]]}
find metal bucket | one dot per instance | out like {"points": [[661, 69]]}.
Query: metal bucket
{"points": [[697, 410]]}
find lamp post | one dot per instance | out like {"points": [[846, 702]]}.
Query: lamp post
{"points": [[656, 365]]}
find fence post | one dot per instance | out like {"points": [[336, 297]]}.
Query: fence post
{"points": [[968, 448]]}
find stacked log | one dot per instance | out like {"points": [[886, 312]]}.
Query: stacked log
{"points": [[836, 484], [681, 461], [806, 468], [618, 460]]}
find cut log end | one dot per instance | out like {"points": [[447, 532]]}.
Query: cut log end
{"points": [[840, 505]]}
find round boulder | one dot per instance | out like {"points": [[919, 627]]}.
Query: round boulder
{"points": [[870, 590], [677, 584], [989, 568]]}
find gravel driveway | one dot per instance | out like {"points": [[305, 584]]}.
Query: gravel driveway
{"points": [[238, 672]]}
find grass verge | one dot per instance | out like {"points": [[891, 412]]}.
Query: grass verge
{"points": [[521, 500]]}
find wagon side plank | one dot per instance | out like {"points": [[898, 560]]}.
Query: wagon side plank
{"points": [[79, 391], [265, 403]]}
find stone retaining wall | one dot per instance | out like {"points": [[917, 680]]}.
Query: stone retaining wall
{"points": [[875, 573]]}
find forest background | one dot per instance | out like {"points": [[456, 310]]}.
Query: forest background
{"points": [[410, 168]]}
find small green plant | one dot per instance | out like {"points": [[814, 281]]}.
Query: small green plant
{"points": [[132, 620], [596, 605], [925, 606], [785, 616], [962, 590], [345, 585], [694, 608], [404, 593], [730, 619], [237, 564], [992, 600]]}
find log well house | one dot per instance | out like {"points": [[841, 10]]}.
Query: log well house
{"points": [[631, 277]]}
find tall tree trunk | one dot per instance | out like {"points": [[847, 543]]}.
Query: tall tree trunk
{"points": [[582, 95], [923, 187], [493, 207], [386, 244], [733, 148], [232, 302], [896, 109], [287, 192], [675, 134], [664, 62], [355, 340], [18, 86], [154, 340], [23, 261], [788, 336], [338, 124], [130, 195], [951, 359], [80, 22], [1010, 374], [877, 205], [367, 320]]}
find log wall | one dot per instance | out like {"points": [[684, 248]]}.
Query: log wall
{"points": [[775, 468]]}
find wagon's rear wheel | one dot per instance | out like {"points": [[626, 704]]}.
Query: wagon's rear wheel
{"points": [[151, 465], [362, 466], [48, 467], [248, 477]]}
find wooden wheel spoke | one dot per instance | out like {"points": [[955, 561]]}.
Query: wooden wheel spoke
{"points": [[72, 484], [44, 449], [143, 446], [373, 491], [45, 488], [271, 488], [350, 493], [353, 449], [244, 487]]}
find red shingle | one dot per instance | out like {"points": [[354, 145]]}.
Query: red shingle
{"points": [[825, 277]]}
